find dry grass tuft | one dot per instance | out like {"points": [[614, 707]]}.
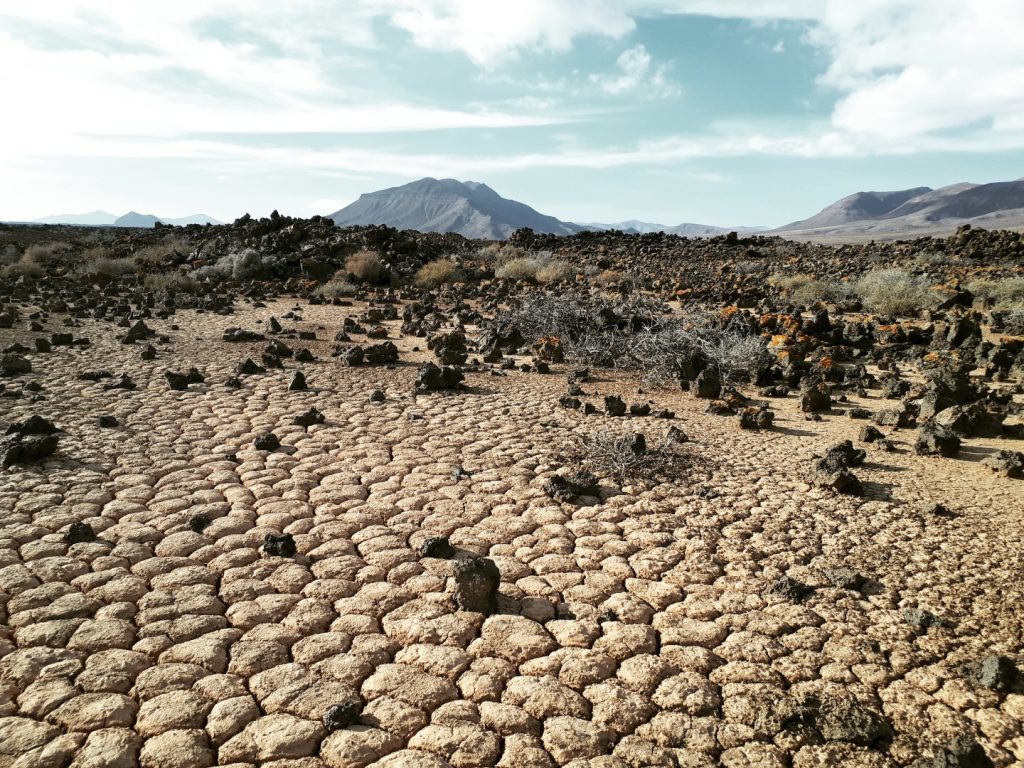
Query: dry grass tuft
{"points": [[436, 273], [366, 266]]}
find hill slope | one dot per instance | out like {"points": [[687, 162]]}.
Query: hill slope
{"points": [[928, 212], [445, 205]]}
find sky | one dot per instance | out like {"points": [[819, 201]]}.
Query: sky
{"points": [[725, 112]]}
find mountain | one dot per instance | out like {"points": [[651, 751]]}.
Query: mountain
{"points": [[858, 207], [915, 212], [683, 230], [445, 205], [133, 219], [91, 219]]}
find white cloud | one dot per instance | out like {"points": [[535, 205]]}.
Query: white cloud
{"points": [[637, 76]]}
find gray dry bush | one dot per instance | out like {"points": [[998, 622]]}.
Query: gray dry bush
{"points": [[616, 455], [1004, 294], [804, 290], [895, 292], [631, 333], [241, 265]]}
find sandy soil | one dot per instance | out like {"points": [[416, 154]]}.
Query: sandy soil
{"points": [[638, 631]]}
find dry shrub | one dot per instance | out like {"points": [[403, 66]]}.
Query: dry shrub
{"points": [[1013, 322], [554, 271], [622, 457], [365, 265], [171, 282], [437, 272], [29, 269], [47, 254], [159, 254], [337, 287], [1004, 294], [805, 290], [105, 265], [535, 269], [500, 252], [895, 292]]}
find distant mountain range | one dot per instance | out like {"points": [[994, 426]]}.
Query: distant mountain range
{"points": [[476, 211], [915, 212], [130, 219], [683, 230]]}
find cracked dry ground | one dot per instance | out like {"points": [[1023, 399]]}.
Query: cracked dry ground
{"points": [[638, 631]]}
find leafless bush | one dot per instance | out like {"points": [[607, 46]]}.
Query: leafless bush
{"points": [[895, 292], [626, 456], [633, 334], [438, 272]]}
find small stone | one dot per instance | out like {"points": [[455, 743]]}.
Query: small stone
{"points": [[279, 544], [342, 715], [79, 532]]}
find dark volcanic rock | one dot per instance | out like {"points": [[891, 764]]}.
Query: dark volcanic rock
{"points": [[567, 488], [476, 585], [1006, 463], [614, 405], [790, 588], [437, 546], [935, 440], [342, 715], [309, 418], [79, 533], [14, 365], [266, 442], [707, 385], [298, 382], [33, 425], [430, 378], [279, 544], [240, 335], [25, 449], [176, 381]]}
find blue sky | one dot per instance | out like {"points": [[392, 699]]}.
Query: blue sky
{"points": [[722, 112]]}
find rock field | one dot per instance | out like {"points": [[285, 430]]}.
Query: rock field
{"points": [[208, 565]]}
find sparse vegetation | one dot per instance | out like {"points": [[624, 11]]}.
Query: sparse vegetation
{"points": [[171, 282], [805, 290], [537, 269], [107, 266], [436, 273], [160, 254], [47, 255], [1003, 294], [338, 287], [626, 456], [594, 330], [366, 266], [895, 292]]}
